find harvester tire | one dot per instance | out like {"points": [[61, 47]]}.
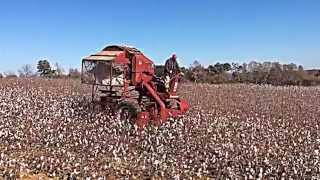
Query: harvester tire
{"points": [[127, 110]]}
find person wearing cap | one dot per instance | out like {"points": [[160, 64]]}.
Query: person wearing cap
{"points": [[171, 68]]}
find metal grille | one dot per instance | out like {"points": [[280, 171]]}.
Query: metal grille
{"points": [[102, 73]]}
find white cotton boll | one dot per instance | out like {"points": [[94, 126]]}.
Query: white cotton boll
{"points": [[227, 123]]}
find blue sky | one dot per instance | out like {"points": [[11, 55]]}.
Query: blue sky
{"points": [[209, 30]]}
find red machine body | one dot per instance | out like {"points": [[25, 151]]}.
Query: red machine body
{"points": [[125, 79]]}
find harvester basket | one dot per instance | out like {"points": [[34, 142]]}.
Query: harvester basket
{"points": [[103, 73]]}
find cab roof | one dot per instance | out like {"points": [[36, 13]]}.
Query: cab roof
{"points": [[110, 52]]}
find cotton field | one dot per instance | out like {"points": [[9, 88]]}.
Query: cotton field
{"points": [[49, 128]]}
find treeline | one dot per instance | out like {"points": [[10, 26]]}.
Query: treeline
{"points": [[43, 69], [272, 73], [254, 72]]}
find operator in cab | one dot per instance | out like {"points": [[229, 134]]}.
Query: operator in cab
{"points": [[171, 69]]}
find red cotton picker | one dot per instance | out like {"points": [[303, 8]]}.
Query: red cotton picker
{"points": [[126, 80]]}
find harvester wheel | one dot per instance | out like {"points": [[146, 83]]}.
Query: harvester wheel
{"points": [[127, 110]]}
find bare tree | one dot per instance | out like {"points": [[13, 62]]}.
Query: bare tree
{"points": [[74, 73], [26, 71], [59, 70]]}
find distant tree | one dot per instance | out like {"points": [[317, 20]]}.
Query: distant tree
{"points": [[236, 70], [197, 72], [219, 68], [244, 68], [266, 66], [183, 69], [226, 67], [300, 68], [74, 73], [277, 66], [275, 75], [26, 71], [212, 69], [187, 74], [44, 68], [290, 67], [1, 76], [235, 67], [159, 70], [10, 74], [59, 70], [196, 64], [293, 67], [252, 66]]}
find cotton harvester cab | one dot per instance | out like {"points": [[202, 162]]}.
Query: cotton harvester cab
{"points": [[125, 80]]}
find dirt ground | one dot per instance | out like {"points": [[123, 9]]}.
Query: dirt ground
{"points": [[48, 129]]}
